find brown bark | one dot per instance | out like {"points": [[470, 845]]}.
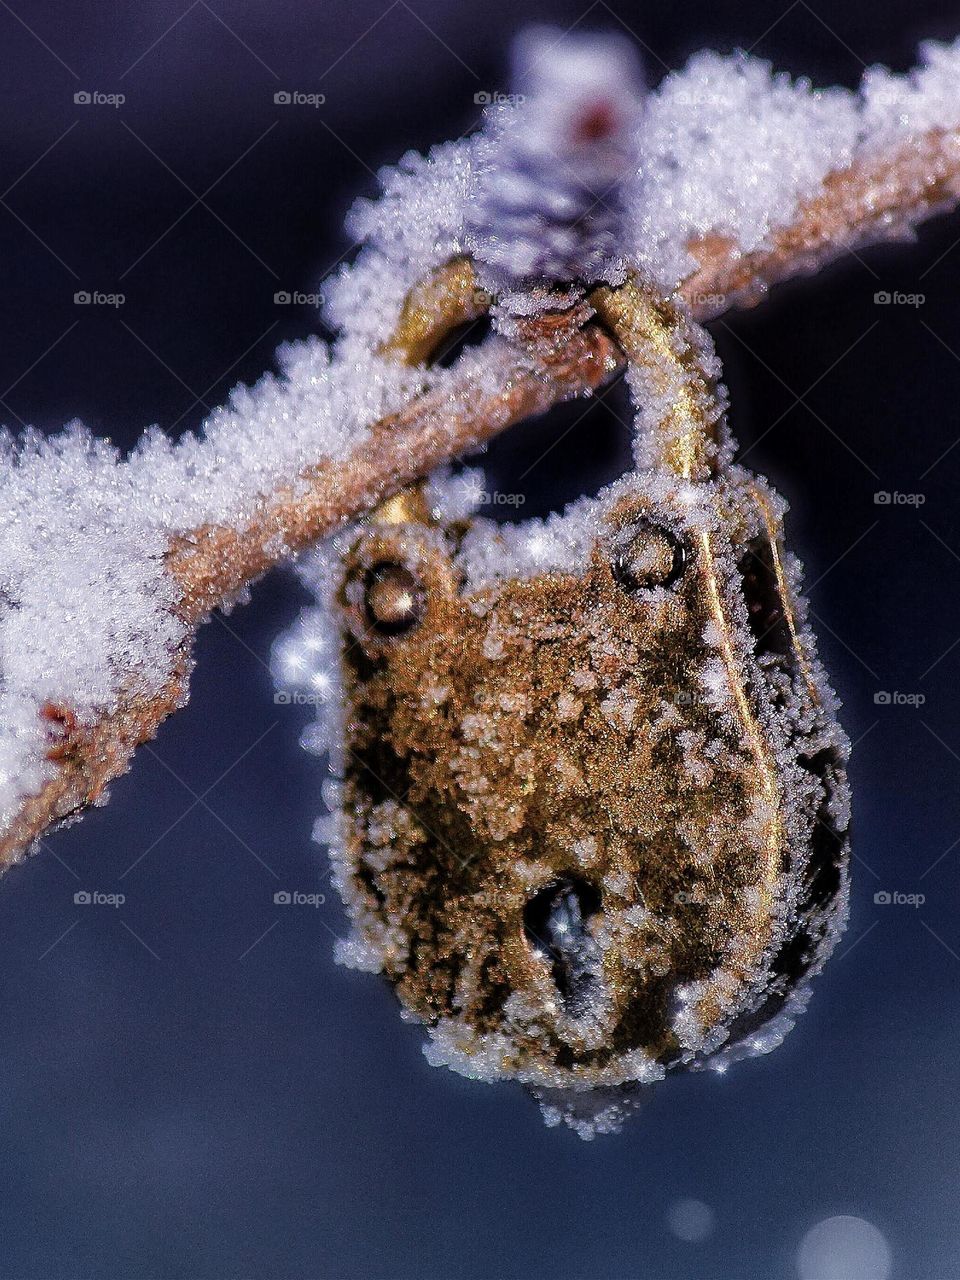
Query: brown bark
{"points": [[878, 198], [212, 564], [874, 199]]}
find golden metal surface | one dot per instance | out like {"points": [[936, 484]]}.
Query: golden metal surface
{"points": [[448, 297], [656, 334], [568, 833], [789, 610], [403, 507]]}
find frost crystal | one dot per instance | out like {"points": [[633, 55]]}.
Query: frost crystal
{"points": [[730, 148], [505, 780], [572, 185], [86, 607]]}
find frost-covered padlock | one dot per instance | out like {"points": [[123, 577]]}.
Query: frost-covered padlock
{"points": [[593, 808]]}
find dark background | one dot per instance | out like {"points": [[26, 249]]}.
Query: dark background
{"points": [[190, 1086]]}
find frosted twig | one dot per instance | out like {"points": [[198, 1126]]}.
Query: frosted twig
{"points": [[741, 179], [882, 196], [210, 565]]}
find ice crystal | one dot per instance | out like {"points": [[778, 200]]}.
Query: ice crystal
{"points": [[723, 146], [808, 907]]}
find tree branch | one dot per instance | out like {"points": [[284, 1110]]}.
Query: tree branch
{"points": [[559, 356], [880, 197], [559, 359]]}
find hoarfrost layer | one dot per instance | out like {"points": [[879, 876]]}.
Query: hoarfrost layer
{"points": [[796, 715], [86, 607], [724, 146]]}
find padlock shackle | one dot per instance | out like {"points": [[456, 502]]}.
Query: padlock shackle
{"points": [[680, 408]]}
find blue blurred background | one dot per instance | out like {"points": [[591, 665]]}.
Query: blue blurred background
{"points": [[191, 1087]]}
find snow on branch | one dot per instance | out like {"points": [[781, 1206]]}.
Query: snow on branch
{"points": [[723, 180]]}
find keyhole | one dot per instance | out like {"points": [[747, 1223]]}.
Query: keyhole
{"points": [[555, 923]]}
